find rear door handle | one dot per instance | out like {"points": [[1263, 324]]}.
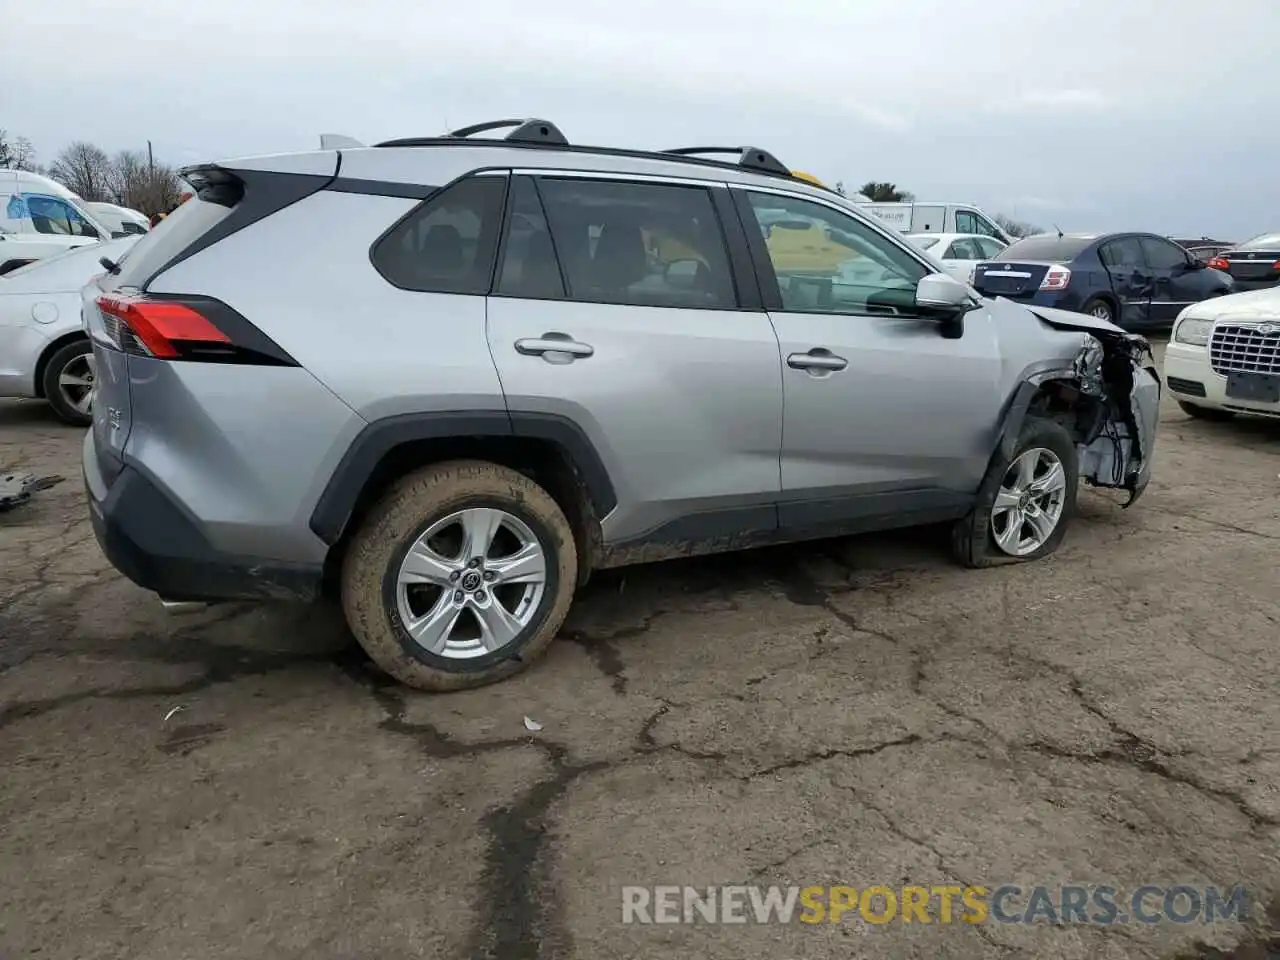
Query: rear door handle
{"points": [[553, 343], [816, 359]]}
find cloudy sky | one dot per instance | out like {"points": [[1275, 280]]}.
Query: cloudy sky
{"points": [[1140, 114]]}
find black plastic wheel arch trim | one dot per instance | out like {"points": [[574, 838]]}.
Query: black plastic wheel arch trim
{"points": [[334, 508]]}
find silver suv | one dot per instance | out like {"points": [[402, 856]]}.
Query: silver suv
{"points": [[444, 379]]}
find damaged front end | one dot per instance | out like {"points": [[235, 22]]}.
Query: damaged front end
{"points": [[1114, 399]]}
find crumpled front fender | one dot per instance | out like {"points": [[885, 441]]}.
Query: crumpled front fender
{"points": [[1118, 370]]}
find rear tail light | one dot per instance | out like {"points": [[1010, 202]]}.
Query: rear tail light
{"points": [[1219, 263], [1056, 278], [186, 328], [1276, 265]]}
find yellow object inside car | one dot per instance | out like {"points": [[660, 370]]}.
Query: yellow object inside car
{"points": [[809, 178], [797, 247]]}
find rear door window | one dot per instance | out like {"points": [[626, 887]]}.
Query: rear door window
{"points": [[964, 249], [989, 246], [1124, 253], [447, 244], [645, 244]]}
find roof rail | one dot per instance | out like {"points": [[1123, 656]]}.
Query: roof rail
{"points": [[531, 131], [526, 131], [751, 158]]}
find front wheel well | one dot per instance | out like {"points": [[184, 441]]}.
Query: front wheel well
{"points": [[546, 462], [1064, 402], [53, 347]]}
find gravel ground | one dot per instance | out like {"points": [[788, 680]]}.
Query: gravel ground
{"points": [[849, 712]]}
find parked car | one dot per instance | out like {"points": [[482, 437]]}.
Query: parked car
{"points": [[960, 253], [1224, 356], [121, 221], [44, 350], [501, 387], [1135, 280], [1254, 264], [41, 218]]}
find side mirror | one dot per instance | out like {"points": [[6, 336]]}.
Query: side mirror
{"points": [[117, 234], [942, 292]]}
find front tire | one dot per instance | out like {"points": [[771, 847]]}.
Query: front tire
{"points": [[68, 383], [1205, 413], [460, 576], [1025, 501]]}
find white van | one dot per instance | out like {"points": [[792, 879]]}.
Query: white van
{"points": [[39, 218], [921, 217], [121, 221]]}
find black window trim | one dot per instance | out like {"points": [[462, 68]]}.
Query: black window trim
{"points": [[771, 293], [743, 280], [489, 172]]}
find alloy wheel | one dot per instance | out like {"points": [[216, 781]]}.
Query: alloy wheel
{"points": [[471, 584], [76, 382], [1029, 503]]}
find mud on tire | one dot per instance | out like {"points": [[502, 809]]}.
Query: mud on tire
{"points": [[972, 538], [372, 598]]}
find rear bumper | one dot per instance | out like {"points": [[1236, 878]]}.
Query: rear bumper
{"points": [[152, 541]]}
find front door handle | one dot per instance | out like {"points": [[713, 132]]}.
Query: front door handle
{"points": [[553, 343], [818, 358]]}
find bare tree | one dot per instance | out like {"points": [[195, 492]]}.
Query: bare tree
{"points": [[16, 153], [140, 184], [1016, 228], [84, 169]]}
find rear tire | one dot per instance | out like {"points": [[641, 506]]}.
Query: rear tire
{"points": [[68, 383], [467, 637], [974, 539], [1100, 308], [1205, 413]]}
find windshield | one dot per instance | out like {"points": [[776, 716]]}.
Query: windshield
{"points": [[1267, 241], [1047, 247]]}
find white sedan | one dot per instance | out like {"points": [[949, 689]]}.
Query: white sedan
{"points": [[959, 253], [44, 352], [1224, 356]]}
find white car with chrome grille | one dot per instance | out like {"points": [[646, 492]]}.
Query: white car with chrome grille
{"points": [[1223, 358]]}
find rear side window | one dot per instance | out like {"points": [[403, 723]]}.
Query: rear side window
{"points": [[170, 237], [643, 244], [989, 246], [448, 244], [1044, 248]]}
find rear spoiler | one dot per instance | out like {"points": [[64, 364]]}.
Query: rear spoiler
{"points": [[338, 141]]}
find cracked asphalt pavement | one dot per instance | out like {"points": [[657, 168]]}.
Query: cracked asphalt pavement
{"points": [[242, 783]]}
